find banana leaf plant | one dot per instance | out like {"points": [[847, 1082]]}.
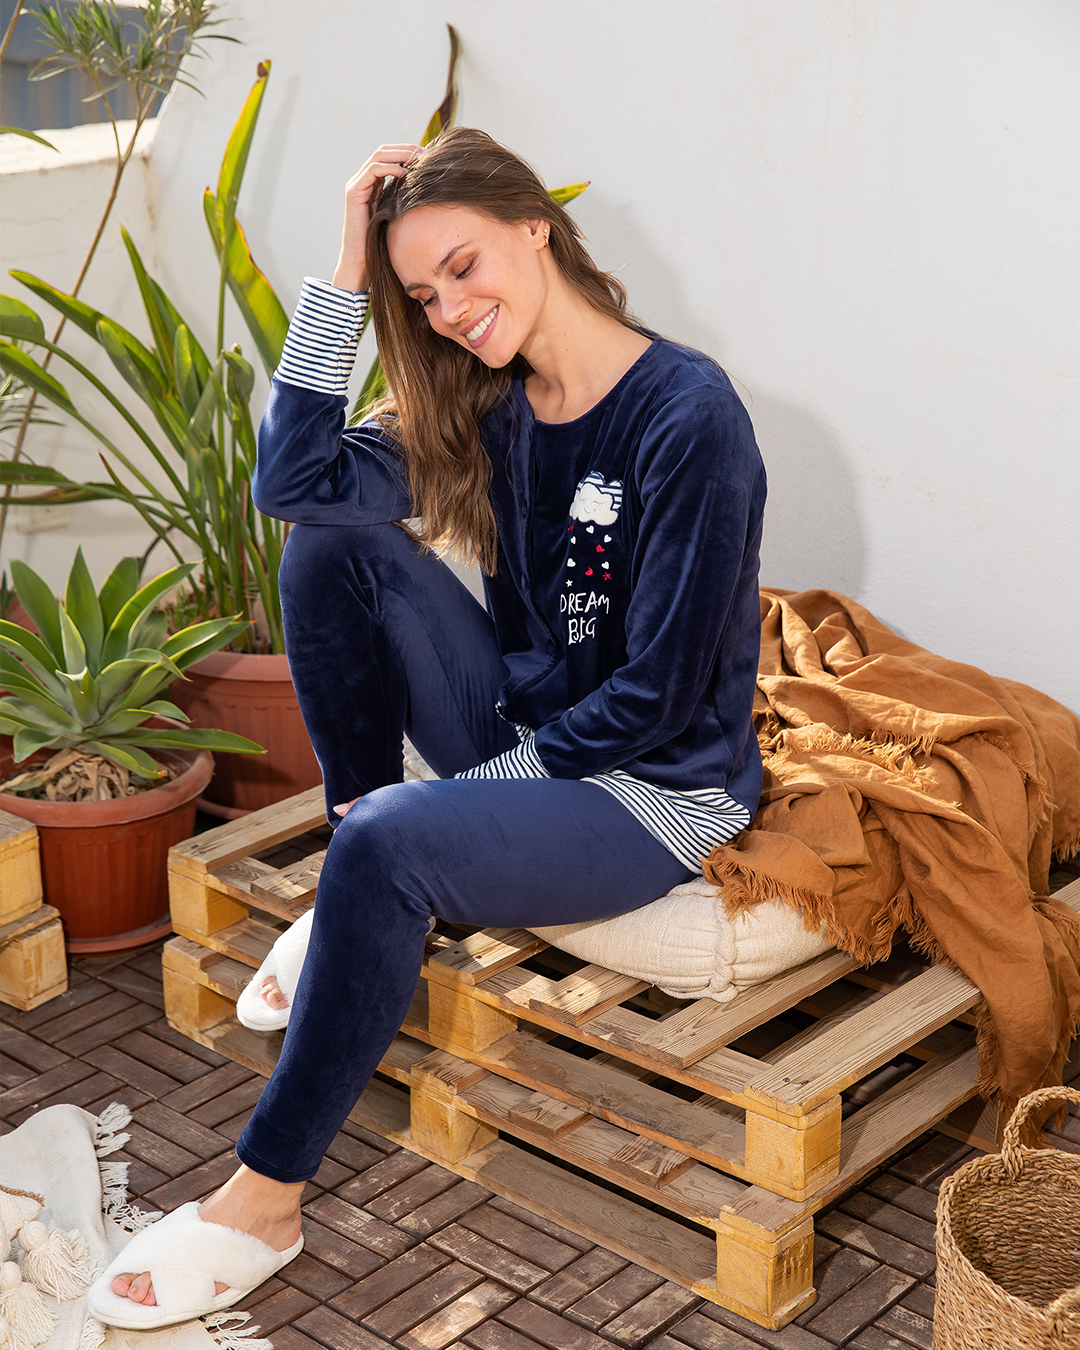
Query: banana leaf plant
{"points": [[89, 680], [202, 436], [201, 433]]}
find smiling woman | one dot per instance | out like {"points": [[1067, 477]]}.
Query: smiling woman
{"points": [[590, 729]]}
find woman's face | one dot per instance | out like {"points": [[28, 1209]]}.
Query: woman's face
{"points": [[481, 283]]}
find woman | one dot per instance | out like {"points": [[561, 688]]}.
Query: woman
{"points": [[591, 729]]}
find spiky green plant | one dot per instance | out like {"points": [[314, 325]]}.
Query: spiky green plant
{"points": [[85, 680]]}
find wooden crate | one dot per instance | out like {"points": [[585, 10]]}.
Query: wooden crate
{"points": [[33, 964], [696, 1138]]}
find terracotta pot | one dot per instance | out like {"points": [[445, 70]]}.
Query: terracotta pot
{"points": [[103, 864], [253, 696]]}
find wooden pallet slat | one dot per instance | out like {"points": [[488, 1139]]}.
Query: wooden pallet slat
{"points": [[20, 869]]}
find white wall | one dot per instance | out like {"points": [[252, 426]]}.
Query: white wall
{"points": [[866, 209], [51, 205]]}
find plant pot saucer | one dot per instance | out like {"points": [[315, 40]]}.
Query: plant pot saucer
{"points": [[121, 942]]}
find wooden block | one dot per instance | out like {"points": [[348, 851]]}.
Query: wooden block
{"points": [[205, 966], [482, 954], [590, 992], [766, 1278], [464, 1022], [445, 1131], [546, 1116], [193, 1007], [704, 1026], [200, 908], [796, 1156], [443, 1076], [33, 964], [20, 868], [646, 1160], [294, 884]]}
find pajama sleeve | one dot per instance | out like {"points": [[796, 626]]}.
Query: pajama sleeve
{"points": [[311, 468]]}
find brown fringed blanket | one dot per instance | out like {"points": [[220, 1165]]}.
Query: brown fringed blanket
{"points": [[903, 790]]}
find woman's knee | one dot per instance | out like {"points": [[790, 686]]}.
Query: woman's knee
{"points": [[383, 847]]}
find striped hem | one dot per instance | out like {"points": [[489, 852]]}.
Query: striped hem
{"points": [[320, 347], [688, 824], [520, 762]]}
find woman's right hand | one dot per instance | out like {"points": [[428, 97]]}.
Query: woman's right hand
{"points": [[387, 162]]}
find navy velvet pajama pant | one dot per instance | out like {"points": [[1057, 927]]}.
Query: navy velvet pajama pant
{"points": [[383, 640]]}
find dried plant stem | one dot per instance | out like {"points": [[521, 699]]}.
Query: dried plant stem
{"points": [[122, 159]]}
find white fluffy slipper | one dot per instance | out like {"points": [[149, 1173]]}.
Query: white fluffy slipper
{"points": [[185, 1257], [285, 960]]}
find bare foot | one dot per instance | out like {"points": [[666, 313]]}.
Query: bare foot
{"points": [[270, 993], [268, 1210]]}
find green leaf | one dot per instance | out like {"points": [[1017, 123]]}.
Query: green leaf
{"points": [[26, 742], [74, 647], [135, 362], [116, 677], [262, 311], [163, 334], [19, 640], [39, 710], [235, 159], [120, 585], [124, 719], [200, 639], [30, 136], [127, 757], [193, 738], [116, 640], [567, 194], [161, 707], [154, 656], [444, 114], [40, 604], [19, 321], [241, 374], [80, 314], [84, 609], [25, 368], [192, 369]]}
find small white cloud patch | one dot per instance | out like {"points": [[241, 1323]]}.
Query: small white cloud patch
{"points": [[597, 500]]}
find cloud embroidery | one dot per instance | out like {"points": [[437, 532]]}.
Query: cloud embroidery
{"points": [[597, 501]]}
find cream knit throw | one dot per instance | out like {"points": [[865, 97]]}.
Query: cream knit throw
{"points": [[62, 1154]]}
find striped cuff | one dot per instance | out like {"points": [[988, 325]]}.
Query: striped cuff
{"points": [[520, 762], [320, 347]]}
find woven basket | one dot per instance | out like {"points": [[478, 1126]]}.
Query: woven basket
{"points": [[1008, 1246]]}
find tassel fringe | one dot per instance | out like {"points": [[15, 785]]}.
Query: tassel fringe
{"points": [[238, 1336], [29, 1321], [107, 1138], [57, 1263], [93, 1334]]}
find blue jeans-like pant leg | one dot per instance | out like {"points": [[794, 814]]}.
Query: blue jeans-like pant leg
{"points": [[392, 639]]}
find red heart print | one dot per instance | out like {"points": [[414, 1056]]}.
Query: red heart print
{"points": [[600, 550], [588, 571]]}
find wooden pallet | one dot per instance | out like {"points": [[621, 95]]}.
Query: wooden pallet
{"points": [[734, 1123], [33, 964]]}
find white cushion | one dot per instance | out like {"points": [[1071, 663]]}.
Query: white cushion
{"points": [[685, 945]]}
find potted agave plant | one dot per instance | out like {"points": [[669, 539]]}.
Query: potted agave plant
{"points": [[94, 756]]}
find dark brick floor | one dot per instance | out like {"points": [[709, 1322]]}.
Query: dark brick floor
{"points": [[401, 1252]]}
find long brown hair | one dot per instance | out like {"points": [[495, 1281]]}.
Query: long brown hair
{"points": [[439, 392]]}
